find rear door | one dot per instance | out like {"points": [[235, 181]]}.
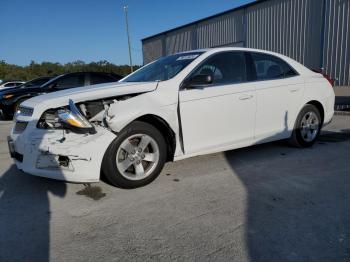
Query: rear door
{"points": [[278, 92], [221, 115]]}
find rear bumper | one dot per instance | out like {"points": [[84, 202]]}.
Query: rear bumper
{"points": [[59, 155], [328, 117]]}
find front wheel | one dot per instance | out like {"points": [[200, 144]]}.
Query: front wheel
{"points": [[307, 127], [136, 157]]}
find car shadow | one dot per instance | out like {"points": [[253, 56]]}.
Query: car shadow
{"points": [[334, 137], [25, 215], [297, 204]]}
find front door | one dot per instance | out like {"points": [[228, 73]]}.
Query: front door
{"points": [[219, 116]]}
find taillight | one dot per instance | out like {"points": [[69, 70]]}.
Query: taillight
{"points": [[329, 79]]}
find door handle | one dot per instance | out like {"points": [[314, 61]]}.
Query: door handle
{"points": [[293, 90], [245, 97]]}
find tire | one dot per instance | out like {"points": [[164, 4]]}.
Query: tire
{"points": [[125, 153], [307, 127], [5, 116]]}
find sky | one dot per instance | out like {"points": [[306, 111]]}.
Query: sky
{"points": [[92, 30]]}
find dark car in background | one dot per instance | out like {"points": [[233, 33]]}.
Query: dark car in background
{"points": [[10, 99], [36, 82]]}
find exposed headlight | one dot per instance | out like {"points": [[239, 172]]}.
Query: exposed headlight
{"points": [[67, 117], [24, 111], [73, 118]]}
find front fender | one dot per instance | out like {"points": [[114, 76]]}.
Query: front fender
{"points": [[122, 113]]}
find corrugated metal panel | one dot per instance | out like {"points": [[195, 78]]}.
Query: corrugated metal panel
{"points": [[221, 31], [152, 49], [336, 57], [289, 27], [312, 33], [180, 40]]}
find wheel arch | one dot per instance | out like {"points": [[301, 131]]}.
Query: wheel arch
{"points": [[319, 106], [165, 129]]}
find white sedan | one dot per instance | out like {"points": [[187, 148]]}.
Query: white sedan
{"points": [[179, 106], [10, 84]]}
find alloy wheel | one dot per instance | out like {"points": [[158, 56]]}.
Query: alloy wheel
{"points": [[137, 157], [310, 125]]}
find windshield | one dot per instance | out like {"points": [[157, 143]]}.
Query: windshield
{"points": [[46, 84], [35, 83], [164, 68]]}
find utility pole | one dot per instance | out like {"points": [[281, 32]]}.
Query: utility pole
{"points": [[128, 34]]}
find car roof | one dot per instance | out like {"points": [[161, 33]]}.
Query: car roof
{"points": [[88, 72], [296, 65], [43, 77], [228, 48]]}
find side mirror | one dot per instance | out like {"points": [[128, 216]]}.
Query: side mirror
{"points": [[199, 81]]}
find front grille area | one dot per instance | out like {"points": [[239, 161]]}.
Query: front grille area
{"points": [[25, 111], [20, 126]]}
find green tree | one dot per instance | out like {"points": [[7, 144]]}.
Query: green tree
{"points": [[34, 70]]}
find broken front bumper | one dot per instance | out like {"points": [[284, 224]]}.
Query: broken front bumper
{"points": [[60, 155]]}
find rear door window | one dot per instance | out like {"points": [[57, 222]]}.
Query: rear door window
{"points": [[268, 67]]}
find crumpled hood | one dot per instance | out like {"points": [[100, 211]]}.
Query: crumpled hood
{"points": [[81, 94]]}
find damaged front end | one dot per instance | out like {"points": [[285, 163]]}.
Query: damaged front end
{"points": [[79, 118], [66, 118], [67, 143]]}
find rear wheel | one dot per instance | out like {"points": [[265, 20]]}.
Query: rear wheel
{"points": [[136, 157], [307, 127]]}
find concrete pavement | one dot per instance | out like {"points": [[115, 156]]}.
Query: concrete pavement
{"points": [[264, 203]]}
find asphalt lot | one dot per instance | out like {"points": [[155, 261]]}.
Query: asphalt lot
{"points": [[265, 203]]}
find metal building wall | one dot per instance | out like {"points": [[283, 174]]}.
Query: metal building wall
{"points": [[336, 56], [221, 31], [225, 30], [179, 40], [152, 49], [314, 32], [289, 27]]}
